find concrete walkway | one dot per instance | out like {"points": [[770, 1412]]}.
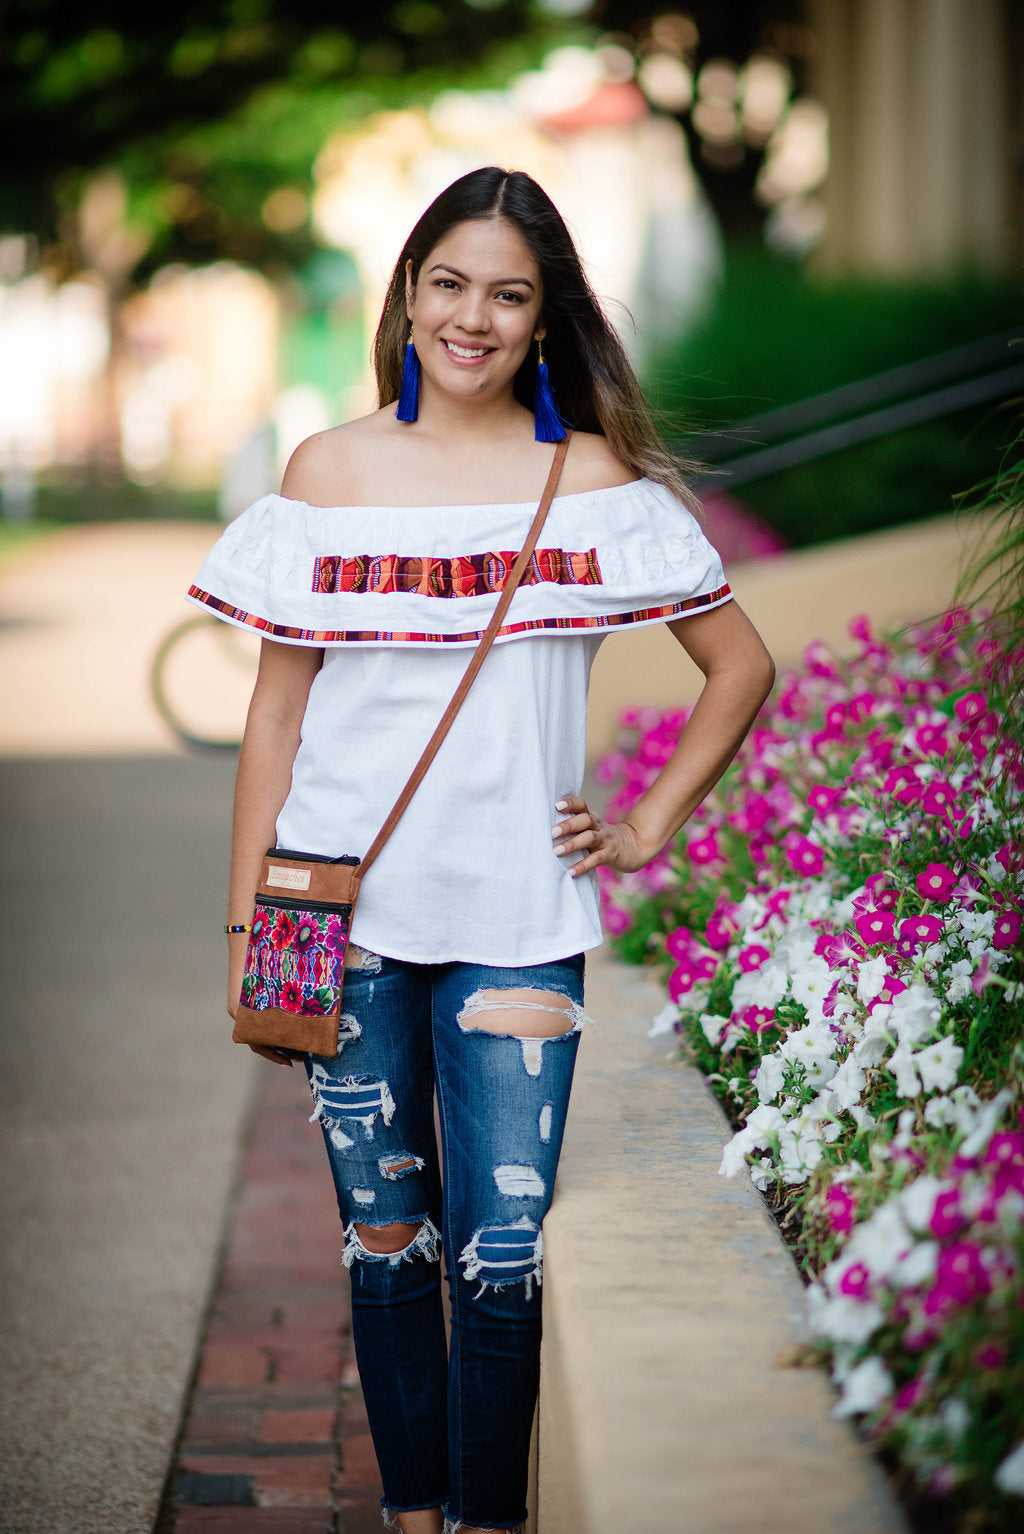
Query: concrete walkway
{"points": [[123, 1103]]}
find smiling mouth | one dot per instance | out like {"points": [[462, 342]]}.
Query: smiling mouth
{"points": [[468, 353]]}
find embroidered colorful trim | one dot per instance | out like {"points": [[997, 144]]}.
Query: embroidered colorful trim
{"points": [[389, 636], [469, 575]]}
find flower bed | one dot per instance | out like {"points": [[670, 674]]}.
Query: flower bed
{"points": [[840, 932]]}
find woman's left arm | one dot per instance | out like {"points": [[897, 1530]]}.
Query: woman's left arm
{"points": [[739, 674]]}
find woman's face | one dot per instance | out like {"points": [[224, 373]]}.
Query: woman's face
{"points": [[475, 308]]}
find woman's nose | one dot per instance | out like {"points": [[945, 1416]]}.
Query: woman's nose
{"points": [[472, 313]]}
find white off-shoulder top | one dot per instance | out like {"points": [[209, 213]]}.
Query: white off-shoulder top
{"points": [[392, 593]]}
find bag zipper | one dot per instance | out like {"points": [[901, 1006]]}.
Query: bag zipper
{"points": [[333, 908], [311, 857]]}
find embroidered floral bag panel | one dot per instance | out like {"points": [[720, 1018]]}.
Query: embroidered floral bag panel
{"points": [[295, 960]]}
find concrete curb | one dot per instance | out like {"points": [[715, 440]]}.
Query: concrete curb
{"points": [[669, 1304]]}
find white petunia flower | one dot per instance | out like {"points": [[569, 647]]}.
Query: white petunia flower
{"points": [[769, 1078], [871, 977], [848, 1084], [797, 947], [876, 1040], [917, 1201], [955, 1417], [919, 1265], [880, 1242], [734, 1154], [995, 870], [863, 1117], [665, 1021], [864, 1388], [842, 1318], [1010, 1475], [901, 1063], [916, 1014], [814, 1041], [958, 985], [985, 1121], [939, 1111], [711, 1026], [760, 988], [810, 985], [976, 924], [939, 1064]]}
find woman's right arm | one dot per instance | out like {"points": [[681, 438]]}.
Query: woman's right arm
{"points": [[269, 745]]}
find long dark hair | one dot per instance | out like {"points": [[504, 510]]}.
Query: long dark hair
{"points": [[593, 379]]}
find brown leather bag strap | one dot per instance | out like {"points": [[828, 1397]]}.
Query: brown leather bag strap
{"points": [[458, 698]]}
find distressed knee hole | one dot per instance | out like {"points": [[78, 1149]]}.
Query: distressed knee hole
{"points": [[385, 1240], [499, 1255], [531, 1018], [351, 1099], [399, 1164], [522, 1013], [394, 1243]]}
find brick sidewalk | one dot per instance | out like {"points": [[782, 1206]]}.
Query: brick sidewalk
{"points": [[276, 1436]]}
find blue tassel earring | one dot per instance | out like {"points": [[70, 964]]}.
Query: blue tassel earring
{"points": [[548, 424], [409, 399]]}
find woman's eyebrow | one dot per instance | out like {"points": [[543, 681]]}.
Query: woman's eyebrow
{"points": [[505, 282]]}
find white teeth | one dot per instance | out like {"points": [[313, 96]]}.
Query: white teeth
{"points": [[466, 351]]}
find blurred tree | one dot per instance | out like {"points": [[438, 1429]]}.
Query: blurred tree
{"points": [[727, 142], [214, 109]]}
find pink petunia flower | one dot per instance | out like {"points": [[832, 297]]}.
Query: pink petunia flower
{"points": [[757, 1019], [990, 1356], [921, 929], [616, 920], [822, 800], [805, 857], [939, 798], [752, 957], [931, 738], [883, 896], [856, 1281], [720, 931], [876, 928], [682, 981], [907, 1397], [841, 1208], [947, 1216], [1005, 1149], [1007, 930], [960, 1277], [839, 949], [892, 987], [936, 883], [680, 943], [705, 849]]}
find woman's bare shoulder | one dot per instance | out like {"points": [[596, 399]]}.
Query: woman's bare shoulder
{"points": [[330, 468], [592, 465]]}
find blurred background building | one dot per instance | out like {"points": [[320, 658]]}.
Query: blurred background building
{"points": [[773, 197]]}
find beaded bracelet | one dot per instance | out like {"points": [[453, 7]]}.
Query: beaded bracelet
{"points": [[238, 927]]}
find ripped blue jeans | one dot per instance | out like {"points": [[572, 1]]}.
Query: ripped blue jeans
{"points": [[450, 1430]]}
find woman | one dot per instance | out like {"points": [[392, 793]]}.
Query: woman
{"points": [[377, 565]]}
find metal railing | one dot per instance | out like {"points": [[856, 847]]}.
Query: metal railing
{"points": [[987, 370]]}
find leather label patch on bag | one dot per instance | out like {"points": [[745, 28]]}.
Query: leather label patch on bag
{"points": [[288, 878]]}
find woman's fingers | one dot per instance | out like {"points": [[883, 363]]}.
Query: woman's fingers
{"points": [[275, 1056]]}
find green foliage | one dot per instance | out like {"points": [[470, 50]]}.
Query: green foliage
{"points": [[994, 577], [209, 110], [775, 336]]}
